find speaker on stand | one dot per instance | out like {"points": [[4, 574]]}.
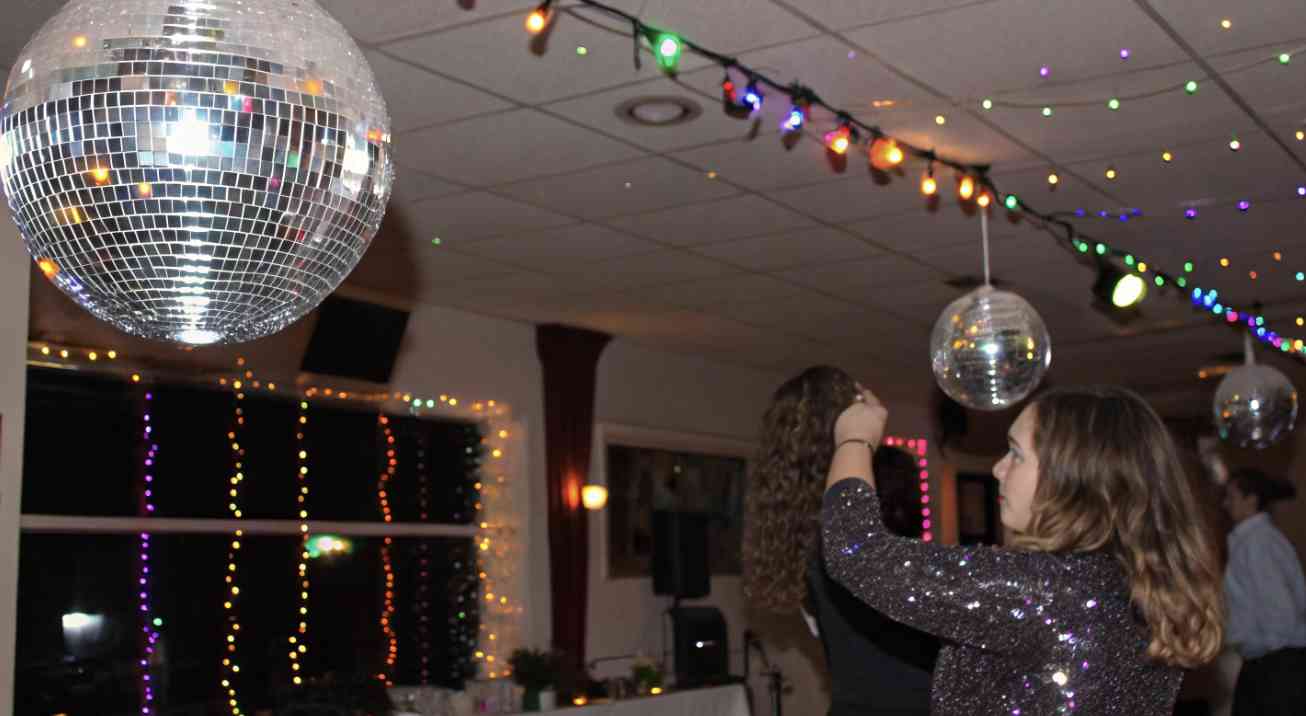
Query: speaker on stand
{"points": [[700, 643]]}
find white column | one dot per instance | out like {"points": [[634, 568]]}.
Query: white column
{"points": [[15, 273]]}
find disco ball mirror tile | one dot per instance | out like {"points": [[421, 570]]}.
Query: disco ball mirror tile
{"points": [[199, 172]]}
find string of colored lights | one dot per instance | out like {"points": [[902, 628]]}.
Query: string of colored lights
{"points": [[920, 447], [299, 640], [387, 566], [884, 151], [422, 600], [1115, 102], [230, 667], [150, 622]]}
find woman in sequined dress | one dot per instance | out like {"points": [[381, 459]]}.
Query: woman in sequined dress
{"points": [[877, 666], [1113, 588]]}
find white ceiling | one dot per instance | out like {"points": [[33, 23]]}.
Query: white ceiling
{"points": [[550, 209]]}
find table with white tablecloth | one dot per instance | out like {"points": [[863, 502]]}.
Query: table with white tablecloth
{"points": [[719, 701]]}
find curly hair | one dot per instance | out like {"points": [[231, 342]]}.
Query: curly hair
{"points": [[783, 501], [1110, 477]]}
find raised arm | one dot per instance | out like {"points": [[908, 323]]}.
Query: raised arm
{"points": [[980, 596]]}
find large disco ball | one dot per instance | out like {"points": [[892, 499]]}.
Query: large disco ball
{"points": [[989, 349], [199, 171], [1255, 405]]}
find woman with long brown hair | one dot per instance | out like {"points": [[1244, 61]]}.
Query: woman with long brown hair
{"points": [[1114, 587], [877, 666]]}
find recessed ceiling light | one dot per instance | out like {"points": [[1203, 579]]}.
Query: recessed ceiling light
{"points": [[660, 111]]}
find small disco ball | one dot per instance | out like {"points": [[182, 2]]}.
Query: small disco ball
{"points": [[1255, 405], [989, 349], [199, 172]]}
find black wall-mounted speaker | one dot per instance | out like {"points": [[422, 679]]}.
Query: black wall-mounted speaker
{"points": [[355, 339], [680, 567]]}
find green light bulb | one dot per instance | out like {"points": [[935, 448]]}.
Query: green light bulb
{"points": [[1183, 282], [1114, 104], [1188, 267], [1285, 58], [1191, 87], [1012, 202], [1129, 259], [667, 47], [1301, 276], [1159, 281], [1101, 249]]}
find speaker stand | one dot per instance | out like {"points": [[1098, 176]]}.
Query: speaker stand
{"points": [[775, 678]]}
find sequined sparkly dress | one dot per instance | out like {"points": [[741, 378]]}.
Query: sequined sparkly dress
{"points": [[1026, 633]]}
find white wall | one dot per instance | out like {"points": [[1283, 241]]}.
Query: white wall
{"points": [[15, 268]]}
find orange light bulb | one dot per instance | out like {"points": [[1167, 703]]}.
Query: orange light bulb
{"points": [[966, 188], [929, 187], [537, 21]]}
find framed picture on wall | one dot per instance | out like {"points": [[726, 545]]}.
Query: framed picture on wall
{"points": [[647, 470], [977, 509]]}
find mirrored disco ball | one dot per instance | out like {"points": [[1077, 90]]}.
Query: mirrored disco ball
{"points": [[195, 171], [1255, 406], [989, 349]]}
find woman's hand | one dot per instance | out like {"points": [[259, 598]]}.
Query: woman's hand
{"points": [[862, 423], [863, 420]]}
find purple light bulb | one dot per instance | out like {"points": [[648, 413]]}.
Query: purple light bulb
{"points": [[1301, 191], [1044, 71], [1244, 205], [1190, 213], [1124, 53]]}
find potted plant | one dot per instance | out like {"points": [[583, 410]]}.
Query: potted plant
{"points": [[646, 675], [535, 671]]}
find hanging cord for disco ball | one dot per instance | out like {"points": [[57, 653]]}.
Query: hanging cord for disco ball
{"points": [[1255, 405], [195, 172], [989, 349]]}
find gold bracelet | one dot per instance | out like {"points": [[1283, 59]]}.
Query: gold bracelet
{"points": [[867, 443]]}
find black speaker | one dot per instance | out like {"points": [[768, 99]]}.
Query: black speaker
{"points": [[354, 339], [680, 554], [702, 648]]}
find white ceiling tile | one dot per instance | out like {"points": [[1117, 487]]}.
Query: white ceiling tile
{"points": [[412, 185], [694, 224], [763, 163], [507, 147], [855, 197], [929, 227], [790, 249], [636, 186], [417, 98], [554, 248], [476, 215], [842, 14], [375, 22], [860, 280], [713, 293], [633, 272], [982, 49], [1259, 24]]}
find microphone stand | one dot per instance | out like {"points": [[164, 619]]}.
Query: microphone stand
{"points": [[774, 676]]}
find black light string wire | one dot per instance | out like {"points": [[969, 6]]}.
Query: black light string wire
{"points": [[1083, 244]]}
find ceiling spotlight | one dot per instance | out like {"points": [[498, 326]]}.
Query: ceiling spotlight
{"points": [[1118, 292]]}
